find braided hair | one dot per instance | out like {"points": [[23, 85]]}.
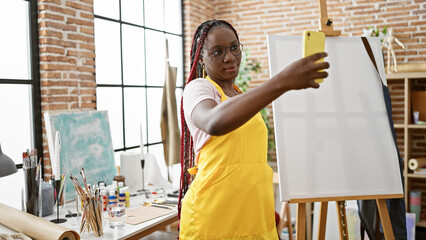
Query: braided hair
{"points": [[186, 141]]}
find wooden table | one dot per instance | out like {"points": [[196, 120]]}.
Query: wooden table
{"points": [[128, 232]]}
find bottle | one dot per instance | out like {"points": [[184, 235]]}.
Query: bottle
{"points": [[127, 192], [105, 198], [116, 215], [120, 185], [115, 188], [122, 196], [112, 197], [116, 211]]}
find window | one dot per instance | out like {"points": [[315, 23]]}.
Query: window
{"points": [[20, 104], [130, 67]]}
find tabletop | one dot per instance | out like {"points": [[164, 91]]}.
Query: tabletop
{"points": [[127, 232]]}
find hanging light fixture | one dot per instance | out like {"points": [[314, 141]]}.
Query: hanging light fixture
{"points": [[7, 166]]}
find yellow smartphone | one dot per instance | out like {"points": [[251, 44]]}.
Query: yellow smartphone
{"points": [[313, 42]]}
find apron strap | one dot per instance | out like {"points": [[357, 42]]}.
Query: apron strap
{"points": [[222, 94]]}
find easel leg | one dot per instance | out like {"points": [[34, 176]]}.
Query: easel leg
{"points": [[322, 220], [341, 218], [286, 219], [289, 223], [300, 222], [309, 221], [384, 217]]}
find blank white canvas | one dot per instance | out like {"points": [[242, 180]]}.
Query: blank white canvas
{"points": [[336, 140]]}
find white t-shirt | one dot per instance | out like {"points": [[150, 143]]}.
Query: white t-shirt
{"points": [[196, 91]]}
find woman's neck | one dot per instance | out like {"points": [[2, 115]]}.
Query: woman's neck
{"points": [[227, 86]]}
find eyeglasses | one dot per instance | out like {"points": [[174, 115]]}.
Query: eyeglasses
{"points": [[220, 52]]}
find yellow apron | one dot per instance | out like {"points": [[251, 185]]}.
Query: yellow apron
{"points": [[231, 196]]}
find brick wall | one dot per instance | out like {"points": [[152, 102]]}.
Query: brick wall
{"points": [[254, 19], [67, 52], [67, 59], [195, 12]]}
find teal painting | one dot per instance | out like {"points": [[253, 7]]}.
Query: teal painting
{"points": [[85, 143]]}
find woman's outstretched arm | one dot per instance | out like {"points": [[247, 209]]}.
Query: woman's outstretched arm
{"points": [[218, 119]]}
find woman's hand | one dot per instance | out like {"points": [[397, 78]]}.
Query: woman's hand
{"points": [[301, 74]]}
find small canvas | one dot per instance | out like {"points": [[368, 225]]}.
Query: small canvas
{"points": [[85, 143]]}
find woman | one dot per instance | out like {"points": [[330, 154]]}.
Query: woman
{"points": [[231, 196]]}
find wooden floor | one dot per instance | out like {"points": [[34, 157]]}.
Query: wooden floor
{"points": [[161, 235]]}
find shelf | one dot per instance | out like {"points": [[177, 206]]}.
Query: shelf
{"points": [[421, 223], [403, 84], [409, 126], [402, 75], [417, 126], [412, 175]]}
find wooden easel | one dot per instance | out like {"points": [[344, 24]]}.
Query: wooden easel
{"points": [[341, 214], [285, 216], [325, 25]]}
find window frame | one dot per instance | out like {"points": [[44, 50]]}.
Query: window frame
{"points": [[144, 86], [34, 81]]}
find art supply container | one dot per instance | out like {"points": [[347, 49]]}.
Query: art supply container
{"points": [[47, 199], [116, 215], [416, 203], [416, 115], [31, 191], [105, 198]]}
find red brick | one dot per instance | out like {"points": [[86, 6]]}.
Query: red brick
{"points": [[88, 91], [88, 99], [73, 36], [50, 75], [60, 99], [410, 7], [50, 58], [88, 105], [80, 22], [56, 91], [46, 15], [56, 106], [75, 5], [418, 34], [61, 43], [49, 66], [88, 30], [87, 15], [89, 62], [57, 2], [80, 54], [42, 7], [89, 2], [87, 84], [86, 69], [58, 26], [86, 46], [52, 50], [50, 33], [86, 76]]}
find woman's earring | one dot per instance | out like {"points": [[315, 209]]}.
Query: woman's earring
{"points": [[204, 72]]}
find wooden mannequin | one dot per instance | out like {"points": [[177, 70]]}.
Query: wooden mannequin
{"points": [[389, 39]]}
